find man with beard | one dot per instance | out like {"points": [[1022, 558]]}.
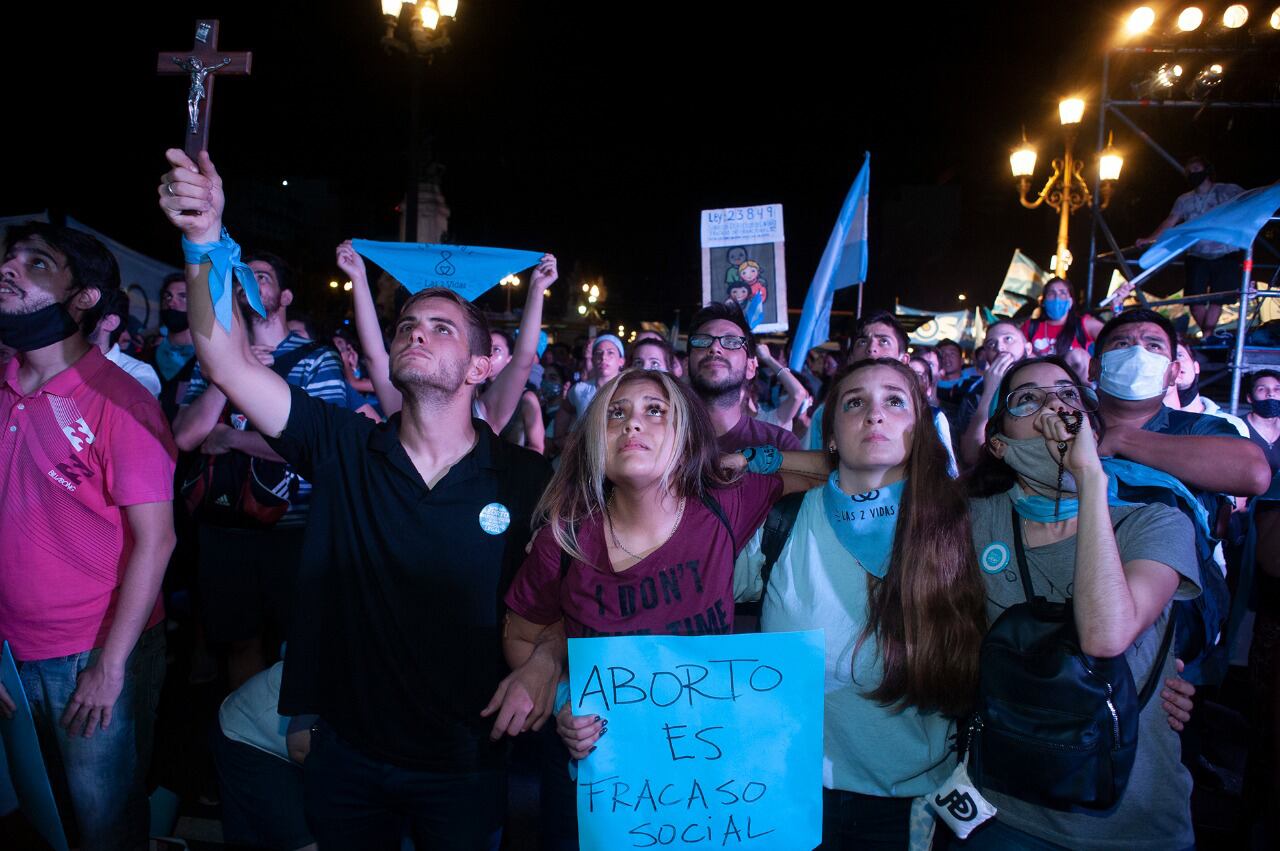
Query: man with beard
{"points": [[417, 524], [722, 363], [86, 483], [246, 575]]}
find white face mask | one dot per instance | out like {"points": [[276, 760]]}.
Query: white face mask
{"points": [[1133, 373]]}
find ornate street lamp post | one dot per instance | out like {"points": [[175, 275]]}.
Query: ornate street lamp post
{"points": [[1066, 190]]}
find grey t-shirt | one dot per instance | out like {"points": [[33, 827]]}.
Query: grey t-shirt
{"points": [[1155, 812]]}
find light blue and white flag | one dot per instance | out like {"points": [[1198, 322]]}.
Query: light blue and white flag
{"points": [[843, 264], [468, 270], [1236, 222]]}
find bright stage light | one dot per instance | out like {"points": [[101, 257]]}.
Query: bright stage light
{"points": [[1275, 19], [1190, 18], [1140, 20], [1235, 17], [448, 8]]}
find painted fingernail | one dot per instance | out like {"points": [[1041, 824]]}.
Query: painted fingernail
{"points": [[593, 750]]}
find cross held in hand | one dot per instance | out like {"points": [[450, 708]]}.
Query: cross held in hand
{"points": [[201, 64]]}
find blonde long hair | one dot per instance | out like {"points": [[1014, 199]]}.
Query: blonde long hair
{"points": [[578, 489]]}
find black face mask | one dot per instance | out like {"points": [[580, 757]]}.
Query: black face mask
{"points": [[1268, 409], [1195, 178], [1188, 395], [27, 332], [174, 320]]}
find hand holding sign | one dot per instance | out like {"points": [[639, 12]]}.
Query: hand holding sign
{"points": [[544, 274], [579, 732]]}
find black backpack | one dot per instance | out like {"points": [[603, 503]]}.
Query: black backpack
{"points": [[777, 528], [1054, 727]]}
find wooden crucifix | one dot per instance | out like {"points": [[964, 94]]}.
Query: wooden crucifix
{"points": [[201, 63]]}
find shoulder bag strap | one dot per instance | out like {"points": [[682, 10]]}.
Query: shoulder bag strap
{"points": [[1021, 554]]}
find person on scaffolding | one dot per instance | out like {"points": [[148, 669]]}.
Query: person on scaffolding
{"points": [[1211, 267]]}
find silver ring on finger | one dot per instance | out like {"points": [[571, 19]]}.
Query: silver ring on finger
{"points": [[168, 187]]}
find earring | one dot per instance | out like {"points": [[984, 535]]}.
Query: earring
{"points": [[832, 449]]}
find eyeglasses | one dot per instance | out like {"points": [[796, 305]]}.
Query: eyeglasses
{"points": [[726, 341], [1025, 401]]}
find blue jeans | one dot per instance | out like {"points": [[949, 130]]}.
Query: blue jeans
{"points": [[100, 777], [355, 802]]}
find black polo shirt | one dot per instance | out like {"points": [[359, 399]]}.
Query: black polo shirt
{"points": [[397, 633]]}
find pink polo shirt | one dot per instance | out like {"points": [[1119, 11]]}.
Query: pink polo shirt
{"points": [[72, 455]]}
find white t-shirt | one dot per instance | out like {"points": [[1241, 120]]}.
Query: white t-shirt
{"points": [[866, 748], [249, 715], [143, 373]]}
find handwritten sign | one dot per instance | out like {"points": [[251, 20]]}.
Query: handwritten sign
{"points": [[714, 741]]}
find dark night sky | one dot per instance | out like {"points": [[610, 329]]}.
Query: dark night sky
{"points": [[599, 130]]}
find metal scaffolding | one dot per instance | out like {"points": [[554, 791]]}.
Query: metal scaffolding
{"points": [[1114, 108]]}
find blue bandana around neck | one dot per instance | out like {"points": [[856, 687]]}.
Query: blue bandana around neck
{"points": [[171, 358], [1040, 509], [864, 523]]}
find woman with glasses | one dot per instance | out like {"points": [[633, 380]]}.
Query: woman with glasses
{"points": [[880, 560], [1040, 481], [640, 529]]}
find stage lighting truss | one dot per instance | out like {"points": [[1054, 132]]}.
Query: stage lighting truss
{"points": [[1160, 83], [1177, 23], [1206, 82]]}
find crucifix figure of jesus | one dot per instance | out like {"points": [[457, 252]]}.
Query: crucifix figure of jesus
{"points": [[203, 63], [198, 71]]}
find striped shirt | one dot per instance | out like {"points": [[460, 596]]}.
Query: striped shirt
{"points": [[319, 374]]}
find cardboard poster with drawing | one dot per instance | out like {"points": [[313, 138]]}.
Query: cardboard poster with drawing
{"points": [[743, 261]]}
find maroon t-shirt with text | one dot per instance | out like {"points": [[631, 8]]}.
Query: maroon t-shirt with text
{"points": [[685, 587]]}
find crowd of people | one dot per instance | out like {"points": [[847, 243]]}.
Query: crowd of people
{"points": [[391, 531]]}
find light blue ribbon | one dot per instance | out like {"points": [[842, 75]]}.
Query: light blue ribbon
{"points": [[224, 257]]}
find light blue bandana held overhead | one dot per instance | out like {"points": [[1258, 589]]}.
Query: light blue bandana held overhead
{"points": [[865, 523]]}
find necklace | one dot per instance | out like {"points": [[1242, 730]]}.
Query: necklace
{"points": [[614, 532], [1073, 428]]}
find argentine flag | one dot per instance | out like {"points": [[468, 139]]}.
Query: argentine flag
{"points": [[843, 264]]}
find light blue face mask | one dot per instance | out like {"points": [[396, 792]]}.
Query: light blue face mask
{"points": [[1056, 308], [865, 523]]}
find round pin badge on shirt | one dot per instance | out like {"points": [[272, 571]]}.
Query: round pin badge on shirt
{"points": [[495, 518], [995, 558]]}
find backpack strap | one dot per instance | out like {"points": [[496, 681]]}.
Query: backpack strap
{"points": [[1021, 554], [777, 528], [284, 364], [713, 505], [1153, 679]]}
